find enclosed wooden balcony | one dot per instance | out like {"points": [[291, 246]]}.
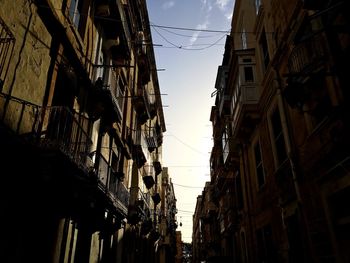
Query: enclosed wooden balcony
{"points": [[142, 104], [111, 15], [139, 147], [144, 68], [156, 198], [308, 56], [216, 123], [148, 176], [245, 94], [106, 99]]}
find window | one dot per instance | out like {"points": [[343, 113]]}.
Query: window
{"points": [[278, 137], [248, 74], [225, 147], [100, 57], [119, 93], [257, 5], [76, 8], [244, 39], [113, 175], [264, 50], [6, 48], [259, 165]]}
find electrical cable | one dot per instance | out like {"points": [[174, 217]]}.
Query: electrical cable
{"points": [[186, 47], [190, 36], [190, 29], [193, 149], [159, 26], [188, 186]]}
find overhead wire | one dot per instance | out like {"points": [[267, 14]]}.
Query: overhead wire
{"points": [[190, 29], [188, 186], [156, 25], [189, 36], [187, 46], [189, 146]]}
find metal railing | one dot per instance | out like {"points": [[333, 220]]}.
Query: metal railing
{"points": [[7, 43], [123, 194], [54, 127], [306, 54], [115, 189], [151, 136], [59, 128]]}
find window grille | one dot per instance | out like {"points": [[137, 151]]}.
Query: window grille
{"points": [[7, 43]]}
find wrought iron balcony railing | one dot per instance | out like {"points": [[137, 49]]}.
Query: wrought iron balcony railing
{"points": [[55, 127], [109, 184], [140, 207], [151, 137]]}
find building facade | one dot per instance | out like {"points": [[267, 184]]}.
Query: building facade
{"points": [[280, 154], [81, 126], [167, 219]]}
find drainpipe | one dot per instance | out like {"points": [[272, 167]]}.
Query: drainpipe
{"points": [[247, 184], [290, 156], [286, 129]]}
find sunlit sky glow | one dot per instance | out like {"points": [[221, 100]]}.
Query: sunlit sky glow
{"points": [[190, 60]]}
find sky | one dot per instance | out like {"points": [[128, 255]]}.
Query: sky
{"points": [[187, 62]]}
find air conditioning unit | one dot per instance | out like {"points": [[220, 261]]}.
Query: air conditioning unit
{"points": [[102, 10]]}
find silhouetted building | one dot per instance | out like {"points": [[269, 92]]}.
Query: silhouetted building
{"points": [[81, 126], [279, 164]]}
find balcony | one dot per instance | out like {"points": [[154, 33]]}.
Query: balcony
{"points": [[111, 16], [140, 147], [151, 136], [245, 110], [148, 176], [107, 99], [139, 210], [156, 198], [222, 90], [53, 128], [217, 123], [122, 197], [307, 56], [157, 164], [142, 104], [226, 203], [223, 178], [245, 94], [144, 68]]}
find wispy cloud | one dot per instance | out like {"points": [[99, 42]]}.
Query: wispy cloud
{"points": [[207, 5], [229, 16], [196, 34], [168, 5], [222, 3]]}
